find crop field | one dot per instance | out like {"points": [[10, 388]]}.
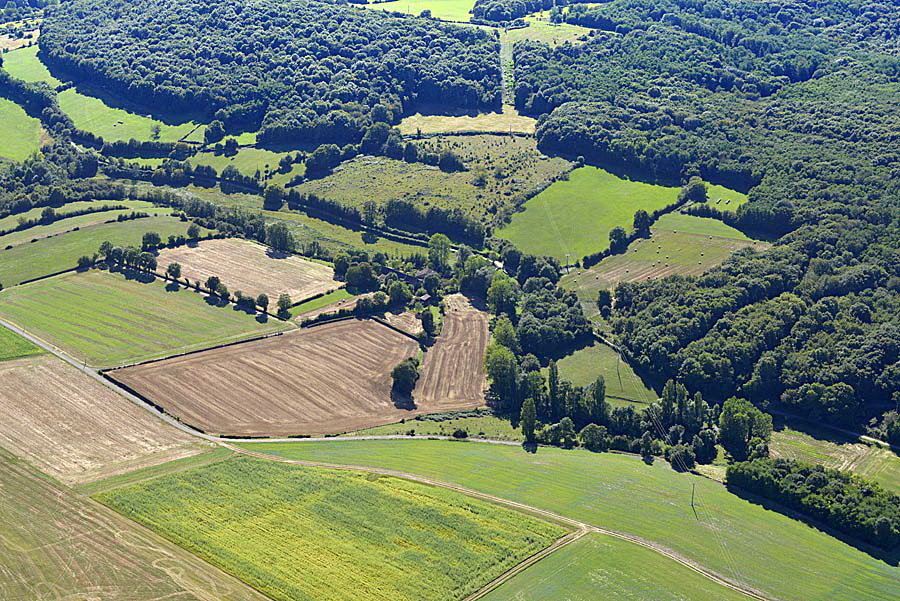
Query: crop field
{"points": [[51, 255], [502, 172], [13, 346], [19, 133], [309, 533], [574, 216], [622, 385], [452, 373], [56, 544], [339, 298], [805, 442], [407, 321], [251, 268], [449, 10], [106, 320], [323, 380], [508, 120], [737, 538], [75, 428], [603, 567], [25, 65], [94, 115]]}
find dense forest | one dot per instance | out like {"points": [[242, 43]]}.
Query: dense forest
{"points": [[302, 71]]}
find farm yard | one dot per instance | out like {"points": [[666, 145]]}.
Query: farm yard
{"points": [[56, 544], [75, 428], [104, 319], [623, 386], [19, 133], [251, 268], [310, 533], [452, 372], [327, 379]]}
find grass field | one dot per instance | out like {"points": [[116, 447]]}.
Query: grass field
{"points": [[19, 133], [449, 10], [75, 428], [575, 216], [508, 120], [25, 65], [58, 545], [724, 199], [13, 346], [737, 538], [541, 30], [50, 255], [583, 366], [247, 161], [11, 221], [603, 567], [323, 301], [698, 226], [309, 533], [107, 320], [444, 424], [93, 115]]}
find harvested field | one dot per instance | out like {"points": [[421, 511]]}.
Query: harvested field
{"points": [[323, 380], [56, 545], [452, 373], [76, 429], [251, 268], [406, 321]]}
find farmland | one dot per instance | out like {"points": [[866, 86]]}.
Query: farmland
{"points": [[622, 493], [583, 366], [326, 300], [450, 10], [403, 540], [75, 428], [19, 133], [478, 423], [103, 318], [574, 216], [12, 220], [247, 160], [56, 544], [24, 64], [13, 346], [603, 567], [323, 380], [51, 255], [251, 268], [552, 34], [452, 372], [508, 120], [720, 197]]}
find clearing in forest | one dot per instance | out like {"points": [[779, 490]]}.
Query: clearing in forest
{"points": [[56, 544], [24, 64], [508, 121], [310, 533], [251, 268], [574, 216], [106, 320], [448, 10], [19, 133], [75, 428], [326, 379], [623, 385], [453, 369]]}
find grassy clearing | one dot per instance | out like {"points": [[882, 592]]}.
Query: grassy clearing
{"points": [[107, 320], [699, 226], [449, 10], [93, 115], [13, 346], [25, 65], [541, 30], [247, 160], [19, 133], [323, 301], [622, 385], [735, 537], [508, 120], [444, 424], [575, 216], [724, 199], [50, 255], [602, 567], [306, 533]]}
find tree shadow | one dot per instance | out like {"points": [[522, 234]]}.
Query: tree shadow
{"points": [[648, 459], [136, 275], [530, 447], [277, 254], [215, 301], [173, 287]]}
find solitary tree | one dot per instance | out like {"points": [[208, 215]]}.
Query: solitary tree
{"points": [[279, 237], [284, 303], [405, 375], [150, 241], [262, 301]]}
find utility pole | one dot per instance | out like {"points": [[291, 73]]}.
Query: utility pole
{"points": [[693, 485]]}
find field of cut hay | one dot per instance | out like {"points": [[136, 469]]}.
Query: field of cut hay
{"points": [[75, 428], [452, 372], [251, 268], [323, 380]]}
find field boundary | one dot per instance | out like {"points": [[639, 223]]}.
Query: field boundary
{"points": [[390, 326], [44, 277]]}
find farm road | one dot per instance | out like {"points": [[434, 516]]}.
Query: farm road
{"points": [[579, 528]]}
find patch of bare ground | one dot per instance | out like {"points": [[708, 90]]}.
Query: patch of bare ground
{"points": [[77, 430], [251, 268], [452, 373], [323, 380], [406, 321]]}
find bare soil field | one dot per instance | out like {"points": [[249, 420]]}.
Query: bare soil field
{"points": [[406, 321], [452, 374], [57, 545], [74, 428], [251, 268], [327, 379]]}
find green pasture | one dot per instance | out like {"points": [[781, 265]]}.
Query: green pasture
{"points": [[24, 64], [575, 216], [106, 320], [449, 10], [247, 160], [700, 226], [542, 30], [19, 133], [11, 221], [622, 385], [13, 346], [603, 567], [50, 255], [309, 533], [482, 426], [739, 539], [724, 199], [323, 301]]}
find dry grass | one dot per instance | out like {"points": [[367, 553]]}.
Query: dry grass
{"points": [[323, 380], [74, 428], [251, 268], [406, 321], [508, 121], [8, 42]]}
